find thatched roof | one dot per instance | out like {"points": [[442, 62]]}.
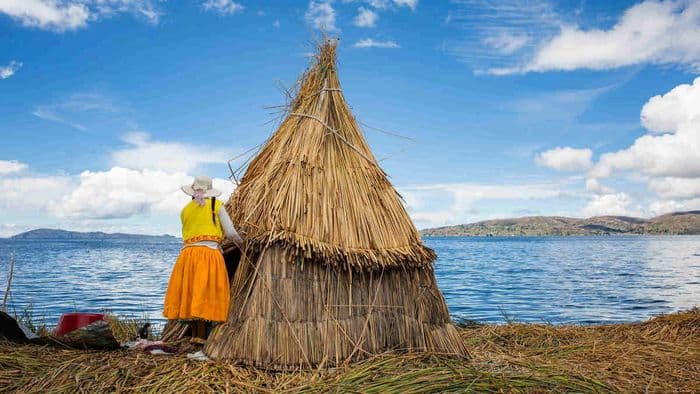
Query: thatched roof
{"points": [[316, 186]]}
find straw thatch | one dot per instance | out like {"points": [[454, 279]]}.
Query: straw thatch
{"points": [[316, 186], [334, 270], [658, 356], [288, 315]]}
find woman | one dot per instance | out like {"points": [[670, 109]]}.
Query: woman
{"points": [[199, 290]]}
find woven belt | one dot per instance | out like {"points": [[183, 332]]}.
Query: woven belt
{"points": [[203, 238]]}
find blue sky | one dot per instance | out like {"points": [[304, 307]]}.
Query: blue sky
{"points": [[513, 108]]}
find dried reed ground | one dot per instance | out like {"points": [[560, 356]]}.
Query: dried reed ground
{"points": [[661, 355]]}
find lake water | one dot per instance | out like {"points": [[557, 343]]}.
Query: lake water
{"points": [[530, 279]]}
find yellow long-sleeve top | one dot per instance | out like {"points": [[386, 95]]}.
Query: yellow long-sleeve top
{"points": [[201, 226]]}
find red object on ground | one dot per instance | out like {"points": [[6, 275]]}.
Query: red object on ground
{"points": [[74, 321]]}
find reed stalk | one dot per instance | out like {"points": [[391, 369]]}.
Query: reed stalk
{"points": [[9, 282]]}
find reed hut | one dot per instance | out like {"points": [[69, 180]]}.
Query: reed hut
{"points": [[334, 270]]}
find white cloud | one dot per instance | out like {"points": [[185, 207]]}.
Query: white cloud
{"points": [[562, 105], [48, 114], [667, 155], [144, 153], [454, 203], [72, 105], [27, 193], [661, 207], [119, 193], [384, 4], [123, 193], [30, 193], [651, 32], [67, 15], [366, 17], [609, 204], [494, 36], [674, 154], [565, 159], [321, 15], [223, 7], [370, 43], [47, 14], [11, 166], [519, 36], [10, 69], [141, 8], [593, 185], [88, 101], [665, 113], [276, 24], [669, 163], [506, 42], [76, 106], [676, 188], [412, 4], [144, 200]]}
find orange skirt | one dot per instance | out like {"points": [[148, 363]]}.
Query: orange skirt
{"points": [[198, 287]]}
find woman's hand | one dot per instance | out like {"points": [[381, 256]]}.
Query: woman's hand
{"points": [[238, 240]]}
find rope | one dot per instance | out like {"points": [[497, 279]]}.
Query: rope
{"points": [[336, 133], [237, 170], [326, 90], [388, 132]]}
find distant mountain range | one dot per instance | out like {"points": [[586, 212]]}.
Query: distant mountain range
{"points": [[672, 223], [47, 233], [676, 223]]}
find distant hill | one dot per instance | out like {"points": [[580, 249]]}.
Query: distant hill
{"points": [[672, 223], [47, 233]]}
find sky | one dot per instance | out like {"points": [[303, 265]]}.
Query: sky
{"points": [[477, 109]]}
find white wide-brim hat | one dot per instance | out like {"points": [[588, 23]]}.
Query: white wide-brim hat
{"points": [[201, 183]]}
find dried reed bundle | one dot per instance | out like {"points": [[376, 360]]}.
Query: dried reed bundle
{"points": [[316, 187], [661, 355]]}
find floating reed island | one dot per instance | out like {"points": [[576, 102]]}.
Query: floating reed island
{"points": [[661, 355], [335, 291]]}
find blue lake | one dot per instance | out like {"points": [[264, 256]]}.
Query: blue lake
{"points": [[531, 279]]}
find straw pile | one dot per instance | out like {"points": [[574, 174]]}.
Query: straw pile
{"points": [[334, 270], [661, 355]]}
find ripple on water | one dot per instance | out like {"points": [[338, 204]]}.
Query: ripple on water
{"points": [[539, 279], [567, 279]]}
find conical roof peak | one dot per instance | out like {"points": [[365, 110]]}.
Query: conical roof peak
{"points": [[316, 186]]}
